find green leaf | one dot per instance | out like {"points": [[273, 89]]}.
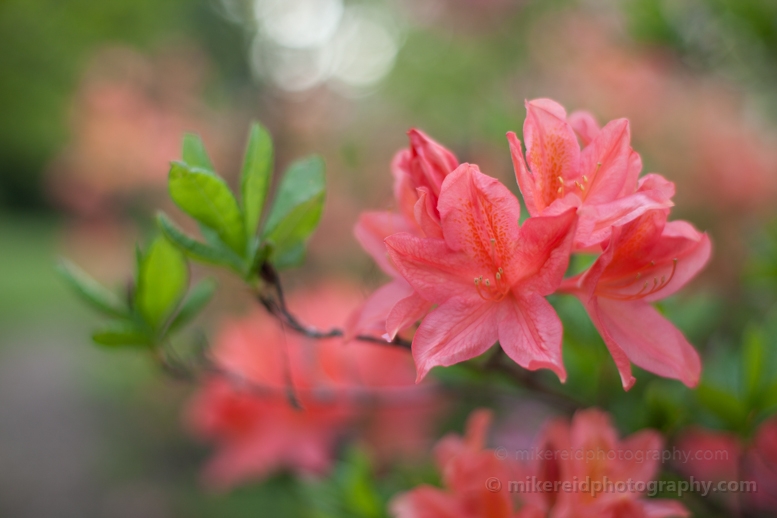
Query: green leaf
{"points": [[195, 249], [255, 176], [753, 358], [121, 333], [207, 198], [162, 281], [198, 298], [194, 152], [723, 404], [92, 292], [297, 209]]}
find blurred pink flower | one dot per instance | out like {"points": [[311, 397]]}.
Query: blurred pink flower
{"points": [[465, 466], [600, 180], [249, 415], [488, 276], [720, 456], [128, 118], [589, 441], [645, 261]]}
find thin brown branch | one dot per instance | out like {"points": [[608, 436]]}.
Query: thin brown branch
{"points": [[277, 307]]}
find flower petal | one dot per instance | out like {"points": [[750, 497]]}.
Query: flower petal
{"points": [[456, 331], [552, 150], [585, 125], [370, 318], [542, 253], [530, 333], [426, 502], [689, 247], [522, 176], [405, 313], [657, 508], [648, 339], [425, 213], [605, 163], [372, 228], [479, 217], [431, 267], [596, 221], [616, 351]]}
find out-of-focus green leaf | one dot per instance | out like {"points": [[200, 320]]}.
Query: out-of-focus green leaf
{"points": [[91, 291], [255, 176], [722, 404], [296, 210], [121, 333], [207, 198], [753, 358], [198, 298], [162, 279], [195, 249], [194, 152]]}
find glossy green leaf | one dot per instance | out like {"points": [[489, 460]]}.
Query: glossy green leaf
{"points": [[207, 198], [195, 249], [120, 334], [198, 298], [162, 279], [296, 210], [194, 152], [255, 176], [92, 292]]}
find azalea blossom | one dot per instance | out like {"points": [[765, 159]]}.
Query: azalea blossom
{"points": [[465, 466], [488, 276], [251, 415], [395, 305], [418, 172], [592, 438], [476, 480], [722, 457], [600, 180], [645, 260]]}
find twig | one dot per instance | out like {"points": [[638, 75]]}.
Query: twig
{"points": [[277, 307]]}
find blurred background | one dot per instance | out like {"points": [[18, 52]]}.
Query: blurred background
{"points": [[95, 98]]}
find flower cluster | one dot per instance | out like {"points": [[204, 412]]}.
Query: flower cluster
{"points": [[338, 389], [464, 265], [478, 481]]}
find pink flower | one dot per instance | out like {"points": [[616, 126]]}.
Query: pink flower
{"points": [[488, 276], [395, 306], [249, 415], [465, 466], [645, 260], [600, 180], [762, 465], [418, 172], [589, 450]]}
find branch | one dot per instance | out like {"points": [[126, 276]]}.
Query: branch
{"points": [[277, 307]]}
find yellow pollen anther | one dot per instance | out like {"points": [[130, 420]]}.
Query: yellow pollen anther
{"points": [[585, 179], [502, 271], [579, 185], [476, 281], [498, 276], [488, 283]]}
